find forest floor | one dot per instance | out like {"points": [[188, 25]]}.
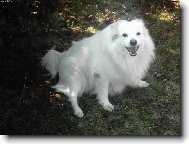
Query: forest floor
{"points": [[28, 106]]}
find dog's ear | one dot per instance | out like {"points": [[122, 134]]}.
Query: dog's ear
{"points": [[141, 23], [139, 20], [114, 29]]}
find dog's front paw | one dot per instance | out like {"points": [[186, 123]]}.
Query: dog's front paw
{"points": [[78, 113], [143, 84], [108, 106]]}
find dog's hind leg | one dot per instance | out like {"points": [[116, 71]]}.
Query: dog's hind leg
{"points": [[102, 94], [77, 110], [72, 90], [75, 88]]}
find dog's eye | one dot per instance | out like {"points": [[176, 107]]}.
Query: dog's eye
{"points": [[125, 35], [138, 33]]}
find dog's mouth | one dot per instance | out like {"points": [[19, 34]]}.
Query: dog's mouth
{"points": [[133, 50]]}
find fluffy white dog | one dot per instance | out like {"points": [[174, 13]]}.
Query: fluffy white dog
{"points": [[103, 64]]}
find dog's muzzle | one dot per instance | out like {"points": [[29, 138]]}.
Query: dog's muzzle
{"points": [[133, 50]]}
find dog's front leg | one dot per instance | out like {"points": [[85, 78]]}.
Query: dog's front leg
{"points": [[143, 84], [102, 94]]}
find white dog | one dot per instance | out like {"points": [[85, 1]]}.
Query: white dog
{"points": [[103, 64]]}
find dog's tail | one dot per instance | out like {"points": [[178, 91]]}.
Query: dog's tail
{"points": [[51, 61]]}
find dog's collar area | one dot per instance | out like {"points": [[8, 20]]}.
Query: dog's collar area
{"points": [[132, 50]]}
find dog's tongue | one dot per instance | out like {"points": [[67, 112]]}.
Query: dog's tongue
{"points": [[132, 51]]}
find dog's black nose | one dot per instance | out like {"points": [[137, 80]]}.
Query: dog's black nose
{"points": [[133, 42]]}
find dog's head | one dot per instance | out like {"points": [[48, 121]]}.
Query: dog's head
{"points": [[129, 35]]}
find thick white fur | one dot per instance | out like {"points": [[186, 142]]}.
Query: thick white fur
{"points": [[101, 64]]}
